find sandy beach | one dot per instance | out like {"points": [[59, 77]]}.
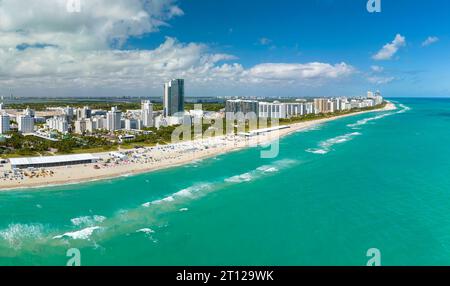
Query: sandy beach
{"points": [[152, 158]]}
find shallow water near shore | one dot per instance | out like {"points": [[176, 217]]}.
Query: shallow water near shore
{"points": [[372, 180]]}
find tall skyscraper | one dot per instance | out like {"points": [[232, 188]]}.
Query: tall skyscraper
{"points": [[83, 113], [173, 97], [4, 123], [147, 113], [113, 121], [244, 106], [26, 123]]}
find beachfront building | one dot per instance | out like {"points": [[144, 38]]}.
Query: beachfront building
{"points": [[4, 123], [240, 105], [147, 113], [80, 126], [52, 161], [284, 110], [321, 105], [173, 100], [83, 113], [133, 124], [272, 110], [25, 123], [68, 113], [29, 112], [113, 119], [58, 123]]}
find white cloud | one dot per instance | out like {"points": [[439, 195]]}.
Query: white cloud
{"points": [[100, 24], [63, 50], [429, 41], [265, 41], [379, 80], [377, 69], [308, 71], [390, 49]]}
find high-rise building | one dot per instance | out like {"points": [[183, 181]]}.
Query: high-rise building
{"points": [[113, 121], [68, 113], [83, 113], [80, 126], [26, 123], [29, 112], [272, 110], [173, 97], [4, 123], [244, 106], [147, 113], [58, 123], [321, 105]]}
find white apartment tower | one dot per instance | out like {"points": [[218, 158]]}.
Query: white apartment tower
{"points": [[4, 123], [147, 113], [173, 97], [113, 121], [26, 123]]}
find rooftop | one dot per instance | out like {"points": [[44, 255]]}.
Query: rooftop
{"points": [[51, 159]]}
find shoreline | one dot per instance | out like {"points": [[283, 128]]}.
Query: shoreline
{"points": [[215, 146]]}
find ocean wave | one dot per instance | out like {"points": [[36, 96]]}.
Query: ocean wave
{"points": [[309, 129], [87, 220], [404, 109], [267, 169], [16, 234], [81, 234], [146, 230], [189, 192], [364, 121], [246, 177], [367, 120], [326, 146], [261, 170], [317, 151]]}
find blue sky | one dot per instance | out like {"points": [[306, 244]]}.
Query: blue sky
{"points": [[232, 47]]}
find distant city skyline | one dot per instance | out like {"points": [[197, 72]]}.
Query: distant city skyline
{"points": [[224, 48]]}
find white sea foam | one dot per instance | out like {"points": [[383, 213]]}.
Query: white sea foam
{"points": [[268, 169], [364, 121], [246, 177], [16, 234], [81, 234], [146, 230], [317, 151], [261, 171], [325, 146], [367, 120], [87, 220], [184, 193]]}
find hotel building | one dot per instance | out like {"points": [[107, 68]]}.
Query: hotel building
{"points": [[147, 114], [4, 123], [173, 100]]}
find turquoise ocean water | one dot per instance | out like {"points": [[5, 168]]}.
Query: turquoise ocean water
{"points": [[378, 180]]}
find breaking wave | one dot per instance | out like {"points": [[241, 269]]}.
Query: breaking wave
{"points": [[88, 220], [326, 146], [364, 121], [16, 234], [185, 193], [81, 234]]}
